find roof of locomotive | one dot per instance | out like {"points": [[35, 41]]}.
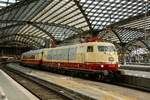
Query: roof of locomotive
{"points": [[32, 52], [83, 44], [96, 43]]}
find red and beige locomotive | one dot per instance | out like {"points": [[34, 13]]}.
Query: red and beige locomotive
{"points": [[93, 57]]}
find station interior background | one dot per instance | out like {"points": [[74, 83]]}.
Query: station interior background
{"points": [[34, 24]]}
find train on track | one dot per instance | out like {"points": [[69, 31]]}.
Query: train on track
{"points": [[98, 59]]}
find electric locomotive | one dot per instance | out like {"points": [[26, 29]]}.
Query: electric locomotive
{"points": [[96, 58]]}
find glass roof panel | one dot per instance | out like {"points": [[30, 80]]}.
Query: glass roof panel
{"points": [[110, 11], [65, 18], [4, 3]]}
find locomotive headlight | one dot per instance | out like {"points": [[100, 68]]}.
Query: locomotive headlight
{"points": [[102, 66], [111, 59]]}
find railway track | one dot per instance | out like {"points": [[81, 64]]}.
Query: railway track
{"points": [[42, 89], [123, 83], [36, 87], [129, 82]]}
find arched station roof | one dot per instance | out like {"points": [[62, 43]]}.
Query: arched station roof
{"points": [[35, 22]]}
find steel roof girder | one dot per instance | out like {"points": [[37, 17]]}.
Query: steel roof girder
{"points": [[16, 5], [117, 35], [12, 38], [32, 45], [41, 23], [22, 35], [83, 12], [146, 45]]}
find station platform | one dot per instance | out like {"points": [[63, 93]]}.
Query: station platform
{"points": [[97, 90], [136, 70], [11, 90], [136, 73], [128, 65], [145, 68]]}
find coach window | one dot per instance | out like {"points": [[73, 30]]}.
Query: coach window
{"points": [[90, 49]]}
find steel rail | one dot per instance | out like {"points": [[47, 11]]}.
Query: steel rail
{"points": [[51, 86]]}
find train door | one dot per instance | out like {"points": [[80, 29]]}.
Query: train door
{"points": [[90, 54], [81, 54]]}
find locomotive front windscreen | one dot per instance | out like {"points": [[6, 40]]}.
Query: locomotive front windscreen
{"points": [[106, 49]]}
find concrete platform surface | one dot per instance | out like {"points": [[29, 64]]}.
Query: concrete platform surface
{"points": [[11, 90], [97, 90], [145, 66], [136, 73]]}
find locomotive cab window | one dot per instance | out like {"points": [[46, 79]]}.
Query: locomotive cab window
{"points": [[90, 49], [106, 49]]}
